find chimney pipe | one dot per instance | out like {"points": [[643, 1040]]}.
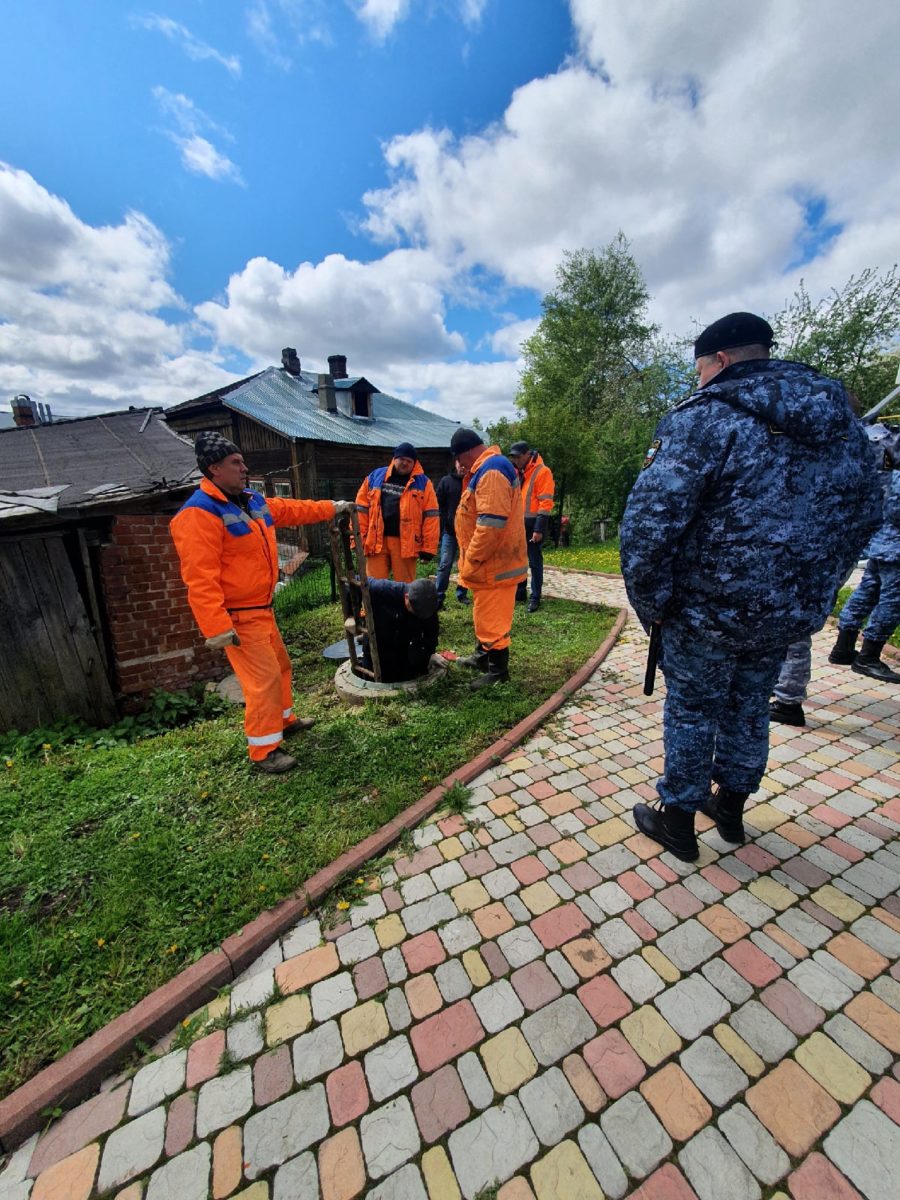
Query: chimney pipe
{"points": [[337, 365], [23, 412], [290, 361], [327, 397]]}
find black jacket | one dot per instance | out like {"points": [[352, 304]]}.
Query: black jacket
{"points": [[405, 643], [449, 492]]}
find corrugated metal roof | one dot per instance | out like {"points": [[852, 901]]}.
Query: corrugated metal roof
{"points": [[95, 459], [288, 404]]}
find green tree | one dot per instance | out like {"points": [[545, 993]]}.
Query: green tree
{"points": [[850, 334]]}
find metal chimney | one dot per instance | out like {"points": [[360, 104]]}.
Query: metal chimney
{"points": [[290, 361], [23, 412], [337, 365], [327, 397]]}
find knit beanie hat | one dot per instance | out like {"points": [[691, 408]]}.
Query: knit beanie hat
{"points": [[212, 447], [405, 450], [423, 598], [465, 439], [737, 329]]}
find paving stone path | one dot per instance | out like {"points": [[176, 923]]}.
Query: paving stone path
{"points": [[534, 1002]]}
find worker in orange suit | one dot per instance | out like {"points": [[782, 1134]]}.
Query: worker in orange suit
{"points": [[225, 538], [537, 505], [399, 519], [493, 559]]}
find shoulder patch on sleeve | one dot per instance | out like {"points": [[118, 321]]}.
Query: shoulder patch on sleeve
{"points": [[651, 454]]}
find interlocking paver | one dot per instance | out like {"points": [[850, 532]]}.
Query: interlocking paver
{"points": [[316, 1052], [492, 1147], [714, 1170], [557, 1029], [157, 1081], [793, 1107], [635, 1134], [133, 1148], [865, 1146], [691, 1006], [551, 1106], [600, 1156], [390, 1068], [754, 1144], [714, 1072], [389, 1137]]}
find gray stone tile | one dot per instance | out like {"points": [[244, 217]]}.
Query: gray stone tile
{"points": [[511, 848], [317, 1052], [459, 935], [497, 1006], [635, 1134], [405, 1184], [397, 1009], [519, 946], [558, 1029], [447, 875], [770, 947], [390, 1068], [840, 970], [888, 990], [657, 915], [714, 1072], [491, 1148], [297, 1179], [762, 1032], [562, 969], [156, 1082], [803, 927], [284, 1130], [617, 938], [858, 1044], [428, 913], [866, 1147], [874, 878], [500, 883], [755, 1145], [750, 909], [332, 996], [602, 1161], [610, 898], [636, 977], [452, 980], [478, 1087], [369, 909], [714, 1170], [253, 991], [820, 985], [877, 935], [244, 1039], [551, 1106], [185, 1177], [224, 1100], [360, 943], [689, 945], [692, 1005], [725, 979], [132, 1149], [389, 1137], [394, 965]]}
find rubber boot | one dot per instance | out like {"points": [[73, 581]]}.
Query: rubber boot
{"points": [[521, 593], [534, 603], [497, 670], [276, 763], [844, 650], [298, 725], [726, 808], [785, 713], [868, 662], [671, 826], [478, 661]]}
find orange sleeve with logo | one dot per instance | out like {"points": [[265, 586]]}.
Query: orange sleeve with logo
{"points": [[493, 502], [198, 539], [299, 512], [431, 523]]}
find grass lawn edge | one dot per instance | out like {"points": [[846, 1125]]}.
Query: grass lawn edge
{"points": [[72, 1077]]}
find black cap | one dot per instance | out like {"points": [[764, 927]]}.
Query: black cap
{"points": [[465, 439], [737, 329], [520, 448], [423, 598], [211, 447], [405, 450]]}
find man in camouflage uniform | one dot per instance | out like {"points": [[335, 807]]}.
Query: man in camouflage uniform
{"points": [[755, 498]]}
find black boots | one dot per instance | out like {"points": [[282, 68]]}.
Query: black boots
{"points": [[671, 826], [844, 650], [478, 660], [521, 593], [497, 670], [868, 662], [785, 713], [534, 603], [726, 809]]}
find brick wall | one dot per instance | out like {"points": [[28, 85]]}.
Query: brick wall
{"points": [[155, 640]]}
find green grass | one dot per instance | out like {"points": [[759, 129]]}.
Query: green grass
{"points": [[122, 865], [843, 596], [596, 556]]}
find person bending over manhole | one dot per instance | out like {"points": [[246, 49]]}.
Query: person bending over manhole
{"points": [[406, 627]]}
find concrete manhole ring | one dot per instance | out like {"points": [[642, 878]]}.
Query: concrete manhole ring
{"points": [[354, 690]]}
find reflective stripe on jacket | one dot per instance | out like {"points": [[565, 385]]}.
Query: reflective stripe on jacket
{"points": [[229, 557], [419, 515], [490, 527], [537, 489]]}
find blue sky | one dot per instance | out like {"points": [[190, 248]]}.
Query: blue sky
{"points": [[188, 186]]}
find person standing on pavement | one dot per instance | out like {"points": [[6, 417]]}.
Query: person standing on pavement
{"points": [[492, 555], [449, 491], [755, 498], [398, 517], [225, 537], [537, 504]]}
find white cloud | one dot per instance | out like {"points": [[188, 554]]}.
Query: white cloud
{"points": [[381, 15], [80, 323], [508, 339], [460, 390], [192, 46], [198, 154]]}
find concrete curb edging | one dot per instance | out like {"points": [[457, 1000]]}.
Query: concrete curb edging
{"points": [[79, 1071]]}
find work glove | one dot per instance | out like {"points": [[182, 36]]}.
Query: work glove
{"points": [[343, 508], [221, 640], [424, 556]]}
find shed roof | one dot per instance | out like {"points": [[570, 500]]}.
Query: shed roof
{"points": [[289, 404], [94, 460]]}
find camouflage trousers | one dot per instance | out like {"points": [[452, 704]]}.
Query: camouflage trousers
{"points": [[793, 678], [716, 715], [878, 598]]}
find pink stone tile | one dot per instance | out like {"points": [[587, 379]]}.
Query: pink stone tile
{"points": [[446, 1035], [604, 1000], [641, 927], [392, 899], [440, 1104], [203, 1058], [422, 860], [494, 959], [886, 1094], [529, 870], [452, 825], [560, 925], [662, 870], [424, 951], [502, 787], [544, 834], [273, 1076], [759, 860], [348, 1095], [844, 849], [603, 787], [536, 985], [666, 1183], [831, 816], [369, 978], [818, 1179], [581, 876], [720, 879], [541, 790], [679, 901], [791, 1007], [477, 862], [587, 819], [615, 1064], [638, 889], [748, 960], [79, 1127], [180, 1124]]}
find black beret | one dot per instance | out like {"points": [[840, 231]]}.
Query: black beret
{"points": [[519, 448], [212, 447], [465, 439], [737, 329]]}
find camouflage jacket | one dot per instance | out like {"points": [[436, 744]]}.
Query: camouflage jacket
{"points": [[755, 499], [885, 545]]}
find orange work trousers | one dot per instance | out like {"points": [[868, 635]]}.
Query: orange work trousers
{"points": [[492, 614], [262, 665], [391, 562]]}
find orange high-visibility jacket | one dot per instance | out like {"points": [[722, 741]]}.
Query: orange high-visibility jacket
{"points": [[537, 489], [419, 513], [229, 558], [490, 528]]}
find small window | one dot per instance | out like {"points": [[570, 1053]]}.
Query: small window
{"points": [[282, 487], [257, 485], [361, 404]]}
